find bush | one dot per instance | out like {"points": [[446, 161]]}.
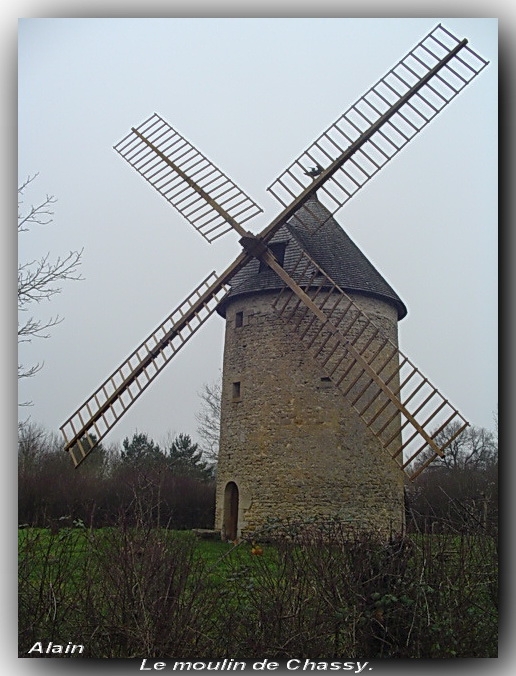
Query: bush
{"points": [[317, 591], [106, 486]]}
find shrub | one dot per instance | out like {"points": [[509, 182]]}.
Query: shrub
{"points": [[318, 591]]}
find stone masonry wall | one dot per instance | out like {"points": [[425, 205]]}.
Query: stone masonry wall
{"points": [[290, 441]]}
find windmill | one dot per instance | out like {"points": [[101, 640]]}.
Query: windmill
{"points": [[394, 415]]}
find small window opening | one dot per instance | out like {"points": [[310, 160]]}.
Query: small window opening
{"points": [[239, 319], [278, 249], [236, 390]]}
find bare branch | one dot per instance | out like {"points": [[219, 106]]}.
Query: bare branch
{"points": [[34, 328], [40, 279], [208, 419], [28, 372], [40, 214]]}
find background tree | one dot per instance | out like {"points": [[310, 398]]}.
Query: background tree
{"points": [[460, 491], [475, 448], [140, 450], [185, 459], [39, 279], [208, 419], [139, 481], [50, 491]]}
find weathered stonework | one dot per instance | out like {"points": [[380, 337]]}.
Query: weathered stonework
{"points": [[291, 445]]}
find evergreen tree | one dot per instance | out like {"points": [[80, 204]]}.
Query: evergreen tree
{"points": [[185, 459], [141, 450]]}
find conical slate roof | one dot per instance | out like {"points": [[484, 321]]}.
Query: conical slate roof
{"points": [[330, 247]]}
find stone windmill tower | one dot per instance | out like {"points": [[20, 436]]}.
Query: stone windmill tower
{"points": [[292, 446], [320, 408]]}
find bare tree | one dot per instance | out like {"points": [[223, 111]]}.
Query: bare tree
{"points": [[475, 448], [33, 441], [39, 279], [460, 491], [208, 419]]}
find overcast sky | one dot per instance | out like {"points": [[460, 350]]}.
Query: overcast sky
{"points": [[251, 94]]}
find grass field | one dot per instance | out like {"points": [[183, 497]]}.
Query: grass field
{"points": [[146, 592]]}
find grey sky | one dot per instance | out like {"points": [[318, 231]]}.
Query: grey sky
{"points": [[251, 94]]}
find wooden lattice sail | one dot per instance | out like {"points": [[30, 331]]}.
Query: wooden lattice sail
{"points": [[102, 410], [395, 400], [382, 122], [203, 194]]}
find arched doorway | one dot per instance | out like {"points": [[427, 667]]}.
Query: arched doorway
{"points": [[231, 511]]}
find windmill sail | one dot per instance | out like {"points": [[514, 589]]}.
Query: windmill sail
{"points": [[398, 404], [98, 415], [203, 194], [374, 130]]}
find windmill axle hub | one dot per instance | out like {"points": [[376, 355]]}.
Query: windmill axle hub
{"points": [[253, 245]]}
